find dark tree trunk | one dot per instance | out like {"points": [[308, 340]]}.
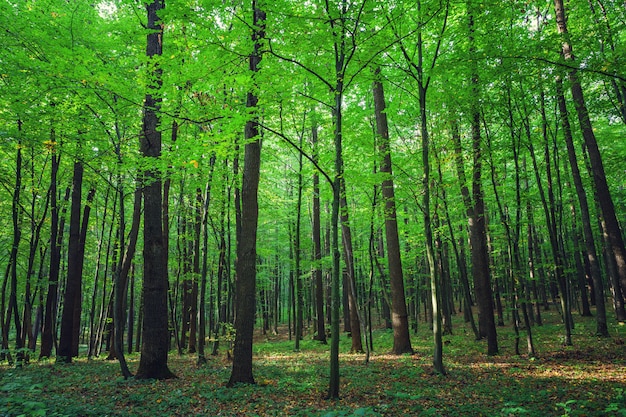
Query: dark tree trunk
{"points": [[48, 328], [155, 332], [399, 319], [349, 282], [316, 227], [475, 208], [13, 309], [245, 264], [299, 290], [72, 297], [202, 324], [197, 229], [121, 277], [611, 227]]}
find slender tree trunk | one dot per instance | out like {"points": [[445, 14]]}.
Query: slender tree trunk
{"points": [[558, 264], [299, 290], [48, 334], [36, 224], [350, 272], [317, 245], [16, 214], [476, 212], [93, 325], [121, 282], [612, 228], [590, 246]]}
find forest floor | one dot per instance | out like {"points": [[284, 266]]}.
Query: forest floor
{"points": [[586, 379]]}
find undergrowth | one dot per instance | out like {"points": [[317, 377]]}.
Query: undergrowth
{"points": [[586, 379]]}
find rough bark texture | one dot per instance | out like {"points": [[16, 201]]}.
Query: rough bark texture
{"points": [[155, 333], [399, 315], [245, 264]]}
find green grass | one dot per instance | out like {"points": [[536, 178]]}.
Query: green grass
{"points": [[586, 379]]}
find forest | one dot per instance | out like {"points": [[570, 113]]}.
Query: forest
{"points": [[195, 189]]}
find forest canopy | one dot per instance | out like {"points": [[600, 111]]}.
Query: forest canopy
{"points": [[177, 175]]}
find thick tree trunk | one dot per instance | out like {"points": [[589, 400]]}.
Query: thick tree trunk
{"points": [[245, 264], [155, 332], [72, 295], [399, 315]]}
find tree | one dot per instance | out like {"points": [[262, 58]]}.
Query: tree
{"points": [[610, 225], [316, 229], [245, 264], [153, 360], [400, 321], [72, 307], [475, 206], [590, 247]]}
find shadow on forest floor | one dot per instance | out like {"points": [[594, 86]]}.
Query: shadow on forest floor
{"points": [[586, 379]]}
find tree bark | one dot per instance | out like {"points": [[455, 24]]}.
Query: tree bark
{"points": [[155, 332], [72, 295], [245, 263], [400, 322]]}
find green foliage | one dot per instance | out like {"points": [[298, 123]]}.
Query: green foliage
{"points": [[617, 404], [359, 412], [583, 380], [18, 397]]}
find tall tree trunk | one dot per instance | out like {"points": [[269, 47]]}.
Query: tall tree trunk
{"points": [[590, 246], [155, 332], [36, 224], [316, 227], [93, 325], [556, 255], [476, 211], [400, 322], [121, 277], [202, 324], [16, 214], [299, 290], [245, 275], [49, 320], [350, 272], [72, 295], [611, 227]]}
